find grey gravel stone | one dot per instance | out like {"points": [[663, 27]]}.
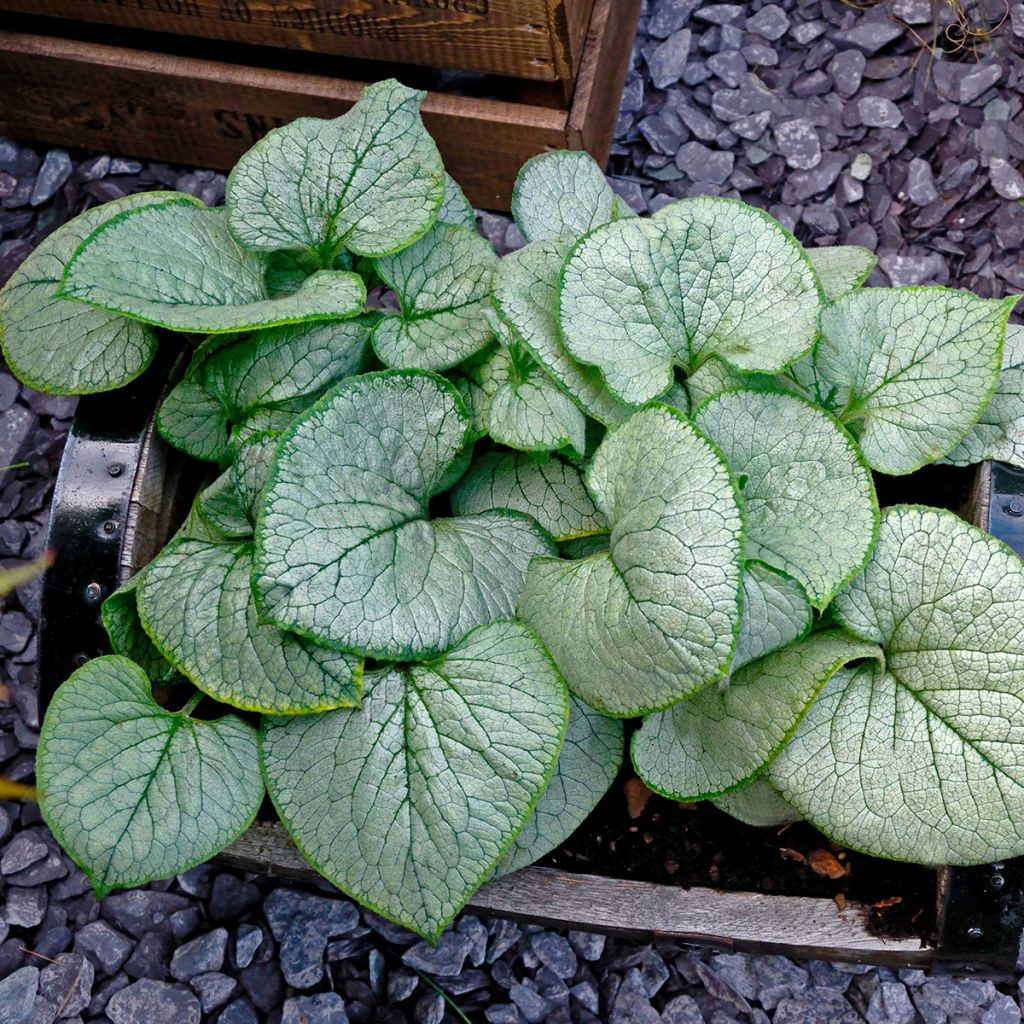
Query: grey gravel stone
{"points": [[719, 14], [870, 35], [214, 990], [200, 956], [325, 1008], [148, 1001], [799, 143], [588, 945], [231, 898], [770, 22], [24, 849], [150, 957], [67, 984], [25, 908], [533, 1006], [239, 1012], [246, 943], [730, 66], [682, 1009], [1004, 1010], [878, 112], [921, 188], [815, 1006], [668, 59], [445, 960], [56, 169], [703, 164], [1006, 179], [890, 1004], [978, 81], [846, 69], [105, 948], [555, 953], [17, 995], [138, 911]]}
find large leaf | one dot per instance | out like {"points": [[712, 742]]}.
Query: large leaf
{"points": [[408, 803], [196, 603], [136, 793], [346, 551], [720, 738], [443, 283], [999, 434], [655, 618], [757, 804], [370, 180], [922, 758], [63, 347], [810, 502], [775, 613], [552, 492], [703, 277], [520, 406], [174, 264], [841, 268], [559, 194], [590, 759], [526, 296], [910, 369]]}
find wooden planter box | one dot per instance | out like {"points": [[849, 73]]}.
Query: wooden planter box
{"points": [[533, 39], [120, 493], [153, 97]]}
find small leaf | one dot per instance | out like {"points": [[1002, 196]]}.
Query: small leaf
{"points": [[775, 613], [62, 347], [136, 793], [345, 549], [370, 180], [443, 282], [558, 194], [722, 737], [552, 492], [175, 265], [655, 618], [921, 758], [715, 376], [757, 804], [999, 434], [196, 602], [222, 511], [703, 277], [408, 803], [520, 406], [526, 297], [590, 759], [250, 471], [841, 268], [193, 422], [456, 208], [809, 499], [911, 369], [128, 638]]}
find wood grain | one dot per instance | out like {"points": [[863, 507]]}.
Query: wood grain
{"points": [[208, 113], [739, 921], [534, 39]]}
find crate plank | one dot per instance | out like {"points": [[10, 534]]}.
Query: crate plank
{"points": [[533, 39], [208, 113], [739, 921]]}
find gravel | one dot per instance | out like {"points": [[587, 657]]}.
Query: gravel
{"points": [[827, 115]]}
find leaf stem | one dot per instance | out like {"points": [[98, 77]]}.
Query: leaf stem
{"points": [[187, 710]]}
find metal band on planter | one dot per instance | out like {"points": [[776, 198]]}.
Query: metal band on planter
{"points": [[118, 499]]}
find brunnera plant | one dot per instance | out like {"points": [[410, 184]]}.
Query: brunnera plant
{"points": [[453, 536]]}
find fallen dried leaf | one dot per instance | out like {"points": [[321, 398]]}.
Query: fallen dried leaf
{"points": [[823, 863], [892, 901], [840, 900], [787, 854], [637, 797]]}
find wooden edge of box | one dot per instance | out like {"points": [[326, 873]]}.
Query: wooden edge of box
{"points": [[736, 921]]}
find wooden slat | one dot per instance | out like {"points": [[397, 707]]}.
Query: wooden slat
{"points": [[208, 113], [740, 921], [602, 74], [534, 39]]}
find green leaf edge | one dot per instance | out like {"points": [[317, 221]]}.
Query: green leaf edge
{"points": [[859, 458], [63, 293], [764, 766], [764, 215], [432, 937], [100, 888]]}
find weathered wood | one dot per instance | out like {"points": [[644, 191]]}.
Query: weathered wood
{"points": [[184, 110], [739, 921], [534, 39]]}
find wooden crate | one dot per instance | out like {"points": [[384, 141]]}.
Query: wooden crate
{"points": [[182, 109], [534, 39]]}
